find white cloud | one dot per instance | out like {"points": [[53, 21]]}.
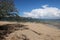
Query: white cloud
{"points": [[45, 6], [44, 12]]}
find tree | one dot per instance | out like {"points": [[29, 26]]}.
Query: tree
{"points": [[7, 8]]}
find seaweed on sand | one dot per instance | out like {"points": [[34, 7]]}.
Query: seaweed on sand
{"points": [[8, 28]]}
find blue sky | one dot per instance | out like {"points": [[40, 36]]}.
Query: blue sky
{"points": [[24, 6]]}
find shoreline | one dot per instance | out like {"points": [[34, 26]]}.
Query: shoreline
{"points": [[55, 26]]}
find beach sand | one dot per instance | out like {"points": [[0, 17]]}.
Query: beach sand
{"points": [[34, 31]]}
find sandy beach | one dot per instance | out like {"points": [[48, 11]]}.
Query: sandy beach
{"points": [[35, 31]]}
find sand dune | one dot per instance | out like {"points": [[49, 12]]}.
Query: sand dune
{"points": [[35, 31]]}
